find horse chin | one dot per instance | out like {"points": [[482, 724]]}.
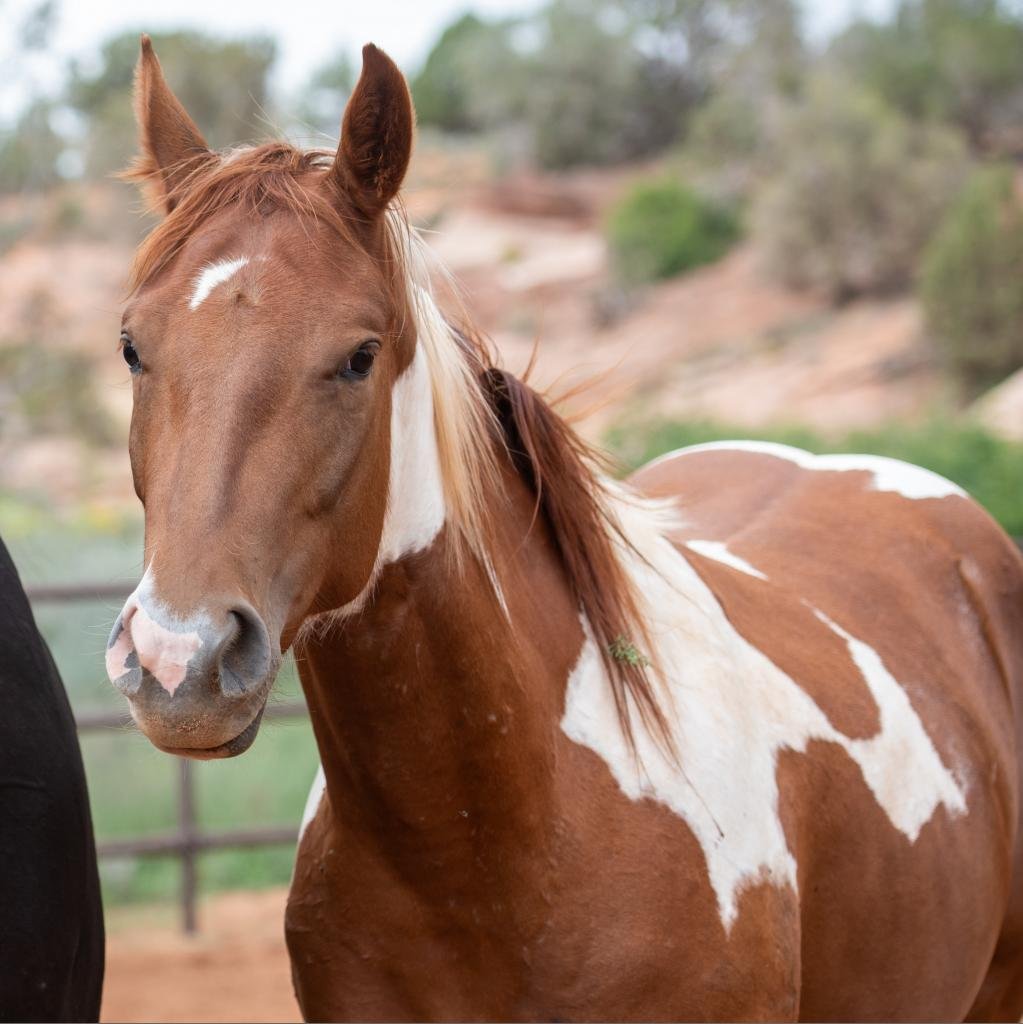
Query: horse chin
{"points": [[232, 748]]}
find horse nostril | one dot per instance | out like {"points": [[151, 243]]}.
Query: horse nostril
{"points": [[244, 657]]}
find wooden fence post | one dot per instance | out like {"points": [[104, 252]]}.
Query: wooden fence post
{"points": [[189, 846]]}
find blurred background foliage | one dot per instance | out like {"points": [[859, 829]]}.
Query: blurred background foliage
{"points": [[222, 84]]}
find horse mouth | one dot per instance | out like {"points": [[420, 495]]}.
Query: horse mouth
{"points": [[232, 748]]}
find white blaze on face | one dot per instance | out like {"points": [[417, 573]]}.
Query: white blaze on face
{"points": [[732, 710], [209, 277]]}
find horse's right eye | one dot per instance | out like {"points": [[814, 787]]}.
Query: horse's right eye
{"points": [[131, 357]]}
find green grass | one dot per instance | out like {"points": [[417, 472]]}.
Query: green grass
{"points": [[987, 467], [132, 786]]}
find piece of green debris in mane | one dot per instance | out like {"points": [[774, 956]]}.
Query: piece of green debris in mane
{"points": [[625, 650]]}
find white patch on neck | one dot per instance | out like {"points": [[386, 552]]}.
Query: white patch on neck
{"points": [[888, 474], [732, 710], [209, 277], [416, 510], [719, 553], [312, 803], [415, 495], [415, 501]]}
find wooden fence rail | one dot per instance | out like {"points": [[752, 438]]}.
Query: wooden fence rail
{"points": [[188, 840]]}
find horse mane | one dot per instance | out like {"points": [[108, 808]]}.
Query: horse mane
{"points": [[273, 176], [475, 403]]}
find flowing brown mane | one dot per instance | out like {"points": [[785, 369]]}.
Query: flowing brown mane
{"points": [[566, 475], [472, 396]]}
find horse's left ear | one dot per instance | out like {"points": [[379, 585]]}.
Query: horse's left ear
{"points": [[376, 135]]}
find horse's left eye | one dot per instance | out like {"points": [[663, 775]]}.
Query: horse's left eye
{"points": [[131, 357], [360, 362]]}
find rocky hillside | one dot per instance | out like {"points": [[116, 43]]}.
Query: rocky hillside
{"points": [[722, 342]]}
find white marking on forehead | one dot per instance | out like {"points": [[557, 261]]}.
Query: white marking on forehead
{"points": [[209, 277], [889, 474], [719, 552], [732, 710]]}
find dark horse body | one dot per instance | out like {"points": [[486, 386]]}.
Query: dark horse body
{"points": [[51, 949]]}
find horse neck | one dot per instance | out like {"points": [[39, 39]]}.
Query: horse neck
{"points": [[436, 706]]}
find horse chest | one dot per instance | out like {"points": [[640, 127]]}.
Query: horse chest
{"points": [[589, 936]]}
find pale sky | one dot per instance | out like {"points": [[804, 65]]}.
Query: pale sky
{"points": [[309, 32]]}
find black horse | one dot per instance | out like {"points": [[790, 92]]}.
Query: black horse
{"points": [[51, 917]]}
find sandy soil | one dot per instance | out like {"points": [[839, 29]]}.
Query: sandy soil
{"points": [[235, 969]]}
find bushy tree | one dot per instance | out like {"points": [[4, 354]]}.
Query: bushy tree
{"points": [[593, 97], [323, 99], [972, 281], [601, 81], [445, 88], [29, 150], [222, 84], [29, 144], [959, 61], [856, 193]]}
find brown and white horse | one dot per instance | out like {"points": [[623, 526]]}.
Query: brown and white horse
{"points": [[738, 739]]}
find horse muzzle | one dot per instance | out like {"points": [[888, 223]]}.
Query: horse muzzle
{"points": [[197, 684]]}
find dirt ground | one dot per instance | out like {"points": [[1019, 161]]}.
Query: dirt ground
{"points": [[235, 969]]}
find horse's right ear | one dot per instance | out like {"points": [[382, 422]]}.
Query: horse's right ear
{"points": [[171, 147], [376, 135]]}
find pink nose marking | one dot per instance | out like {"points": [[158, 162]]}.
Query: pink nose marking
{"points": [[162, 651], [117, 655]]}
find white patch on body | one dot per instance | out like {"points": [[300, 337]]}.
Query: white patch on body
{"points": [[888, 474], [312, 803], [719, 553], [209, 277], [901, 751], [731, 711]]}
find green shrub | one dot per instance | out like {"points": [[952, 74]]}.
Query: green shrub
{"points": [[662, 228], [972, 282], [990, 469], [857, 193]]}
